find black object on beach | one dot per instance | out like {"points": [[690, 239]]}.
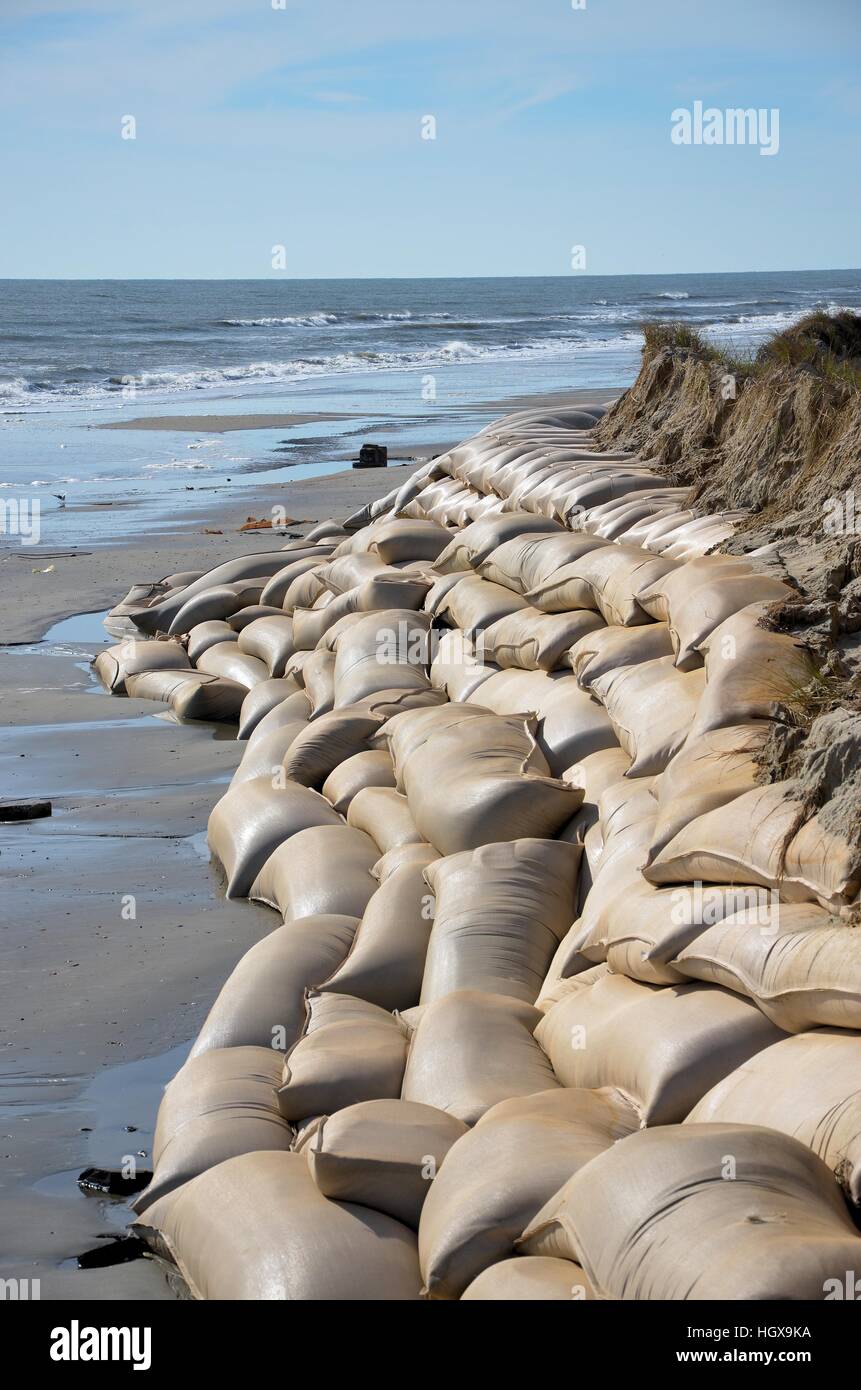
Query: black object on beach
{"points": [[24, 810], [108, 1183], [117, 1250], [372, 456]]}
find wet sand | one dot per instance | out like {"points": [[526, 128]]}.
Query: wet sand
{"points": [[116, 936]]}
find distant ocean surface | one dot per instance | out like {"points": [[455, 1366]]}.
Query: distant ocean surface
{"points": [[67, 343], [415, 364]]}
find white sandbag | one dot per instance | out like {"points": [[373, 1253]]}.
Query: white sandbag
{"points": [[395, 541], [570, 725], [257, 1228], [605, 649], [455, 668], [387, 651], [297, 877], [528, 560], [251, 613], [318, 675], [218, 1106], [655, 1218], [271, 640], [393, 859], [761, 838], [532, 640], [384, 814], [474, 604], [161, 684], [501, 911], [701, 594], [237, 571], [351, 1051], [751, 672], [205, 635], [252, 819], [607, 579], [265, 754], [651, 706], [262, 1002], [387, 959], [328, 742], [474, 543], [295, 709], [305, 589], [277, 587], [372, 767], [477, 784], [383, 1154], [662, 1048], [530, 1279], [218, 602], [225, 659], [707, 772], [500, 1174], [472, 1050], [403, 733], [261, 700], [801, 965], [134, 656], [210, 698], [805, 1086]]}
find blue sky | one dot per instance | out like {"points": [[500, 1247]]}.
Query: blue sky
{"points": [[301, 127]]}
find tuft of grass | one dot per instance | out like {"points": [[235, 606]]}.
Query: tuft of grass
{"points": [[828, 345]]}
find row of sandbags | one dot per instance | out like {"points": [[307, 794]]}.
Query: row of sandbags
{"points": [[402, 1085]]}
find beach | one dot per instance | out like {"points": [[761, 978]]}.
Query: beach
{"points": [[100, 1008]]}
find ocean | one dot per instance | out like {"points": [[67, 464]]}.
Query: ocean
{"points": [[419, 361]]}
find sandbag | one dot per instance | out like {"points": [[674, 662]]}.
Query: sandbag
{"points": [[655, 1218], [530, 1278], [303, 591], [252, 819], [387, 959], [260, 700], [751, 672], [395, 541], [570, 724], [651, 706], [384, 814], [276, 588], [532, 640], [217, 1106], [528, 560], [294, 710], [662, 1048], [205, 635], [805, 1086], [477, 784], [211, 698], [134, 656], [410, 729], [420, 853], [318, 675], [225, 659], [455, 668], [243, 568], [474, 543], [698, 596], [161, 684], [262, 1002], [264, 756], [708, 771], [251, 613], [297, 877], [328, 742], [257, 1228], [219, 602], [472, 1050], [372, 767], [500, 1174], [501, 911], [474, 604], [608, 579], [761, 838], [605, 649], [270, 639], [387, 651], [384, 1154], [351, 1051]]}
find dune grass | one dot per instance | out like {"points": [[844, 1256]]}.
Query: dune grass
{"points": [[827, 345]]}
